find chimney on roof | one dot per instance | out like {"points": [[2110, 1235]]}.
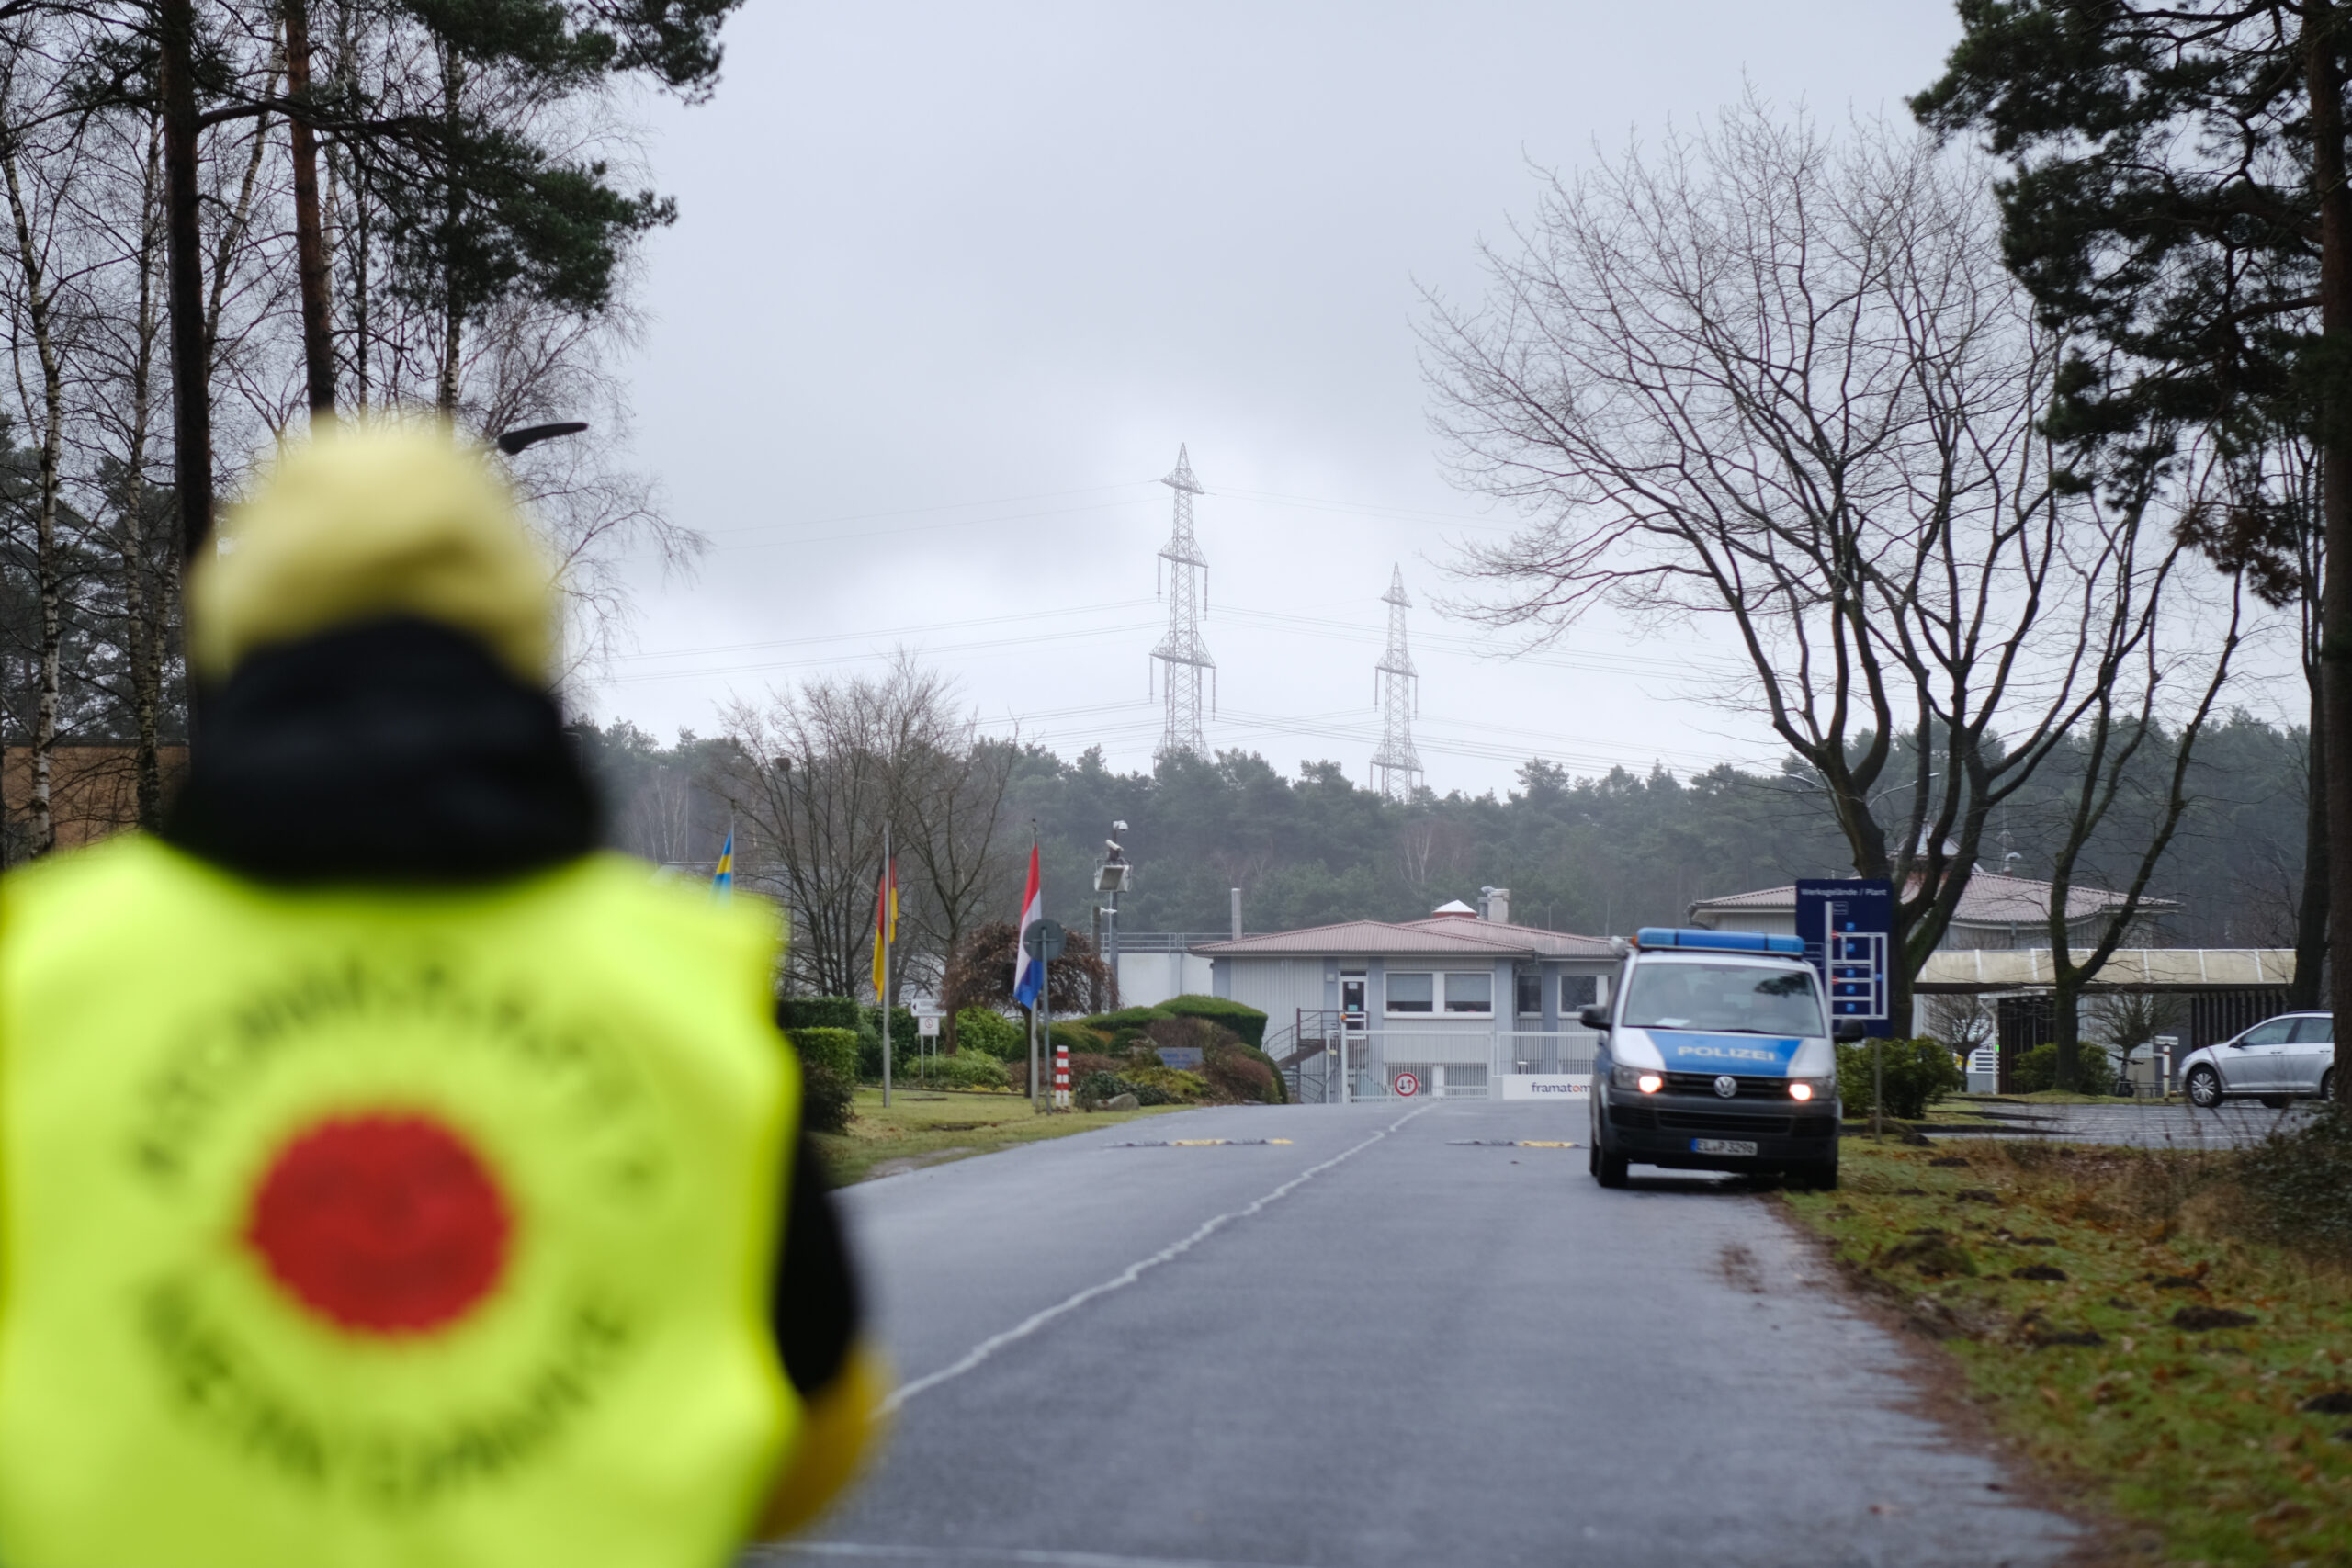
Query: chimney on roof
{"points": [[1494, 904]]}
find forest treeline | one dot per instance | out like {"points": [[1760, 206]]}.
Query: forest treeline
{"points": [[1596, 854]]}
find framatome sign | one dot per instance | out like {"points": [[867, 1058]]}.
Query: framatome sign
{"points": [[1545, 1086]]}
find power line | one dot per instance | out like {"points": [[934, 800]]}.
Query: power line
{"points": [[867, 657], [882, 631]]}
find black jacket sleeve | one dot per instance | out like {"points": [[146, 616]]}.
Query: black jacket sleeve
{"points": [[815, 1305]]}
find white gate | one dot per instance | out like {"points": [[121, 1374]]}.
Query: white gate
{"points": [[1388, 1064]]}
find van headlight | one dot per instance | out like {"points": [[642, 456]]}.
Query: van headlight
{"points": [[1812, 1088], [1645, 1080]]}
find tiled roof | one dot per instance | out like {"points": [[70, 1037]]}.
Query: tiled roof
{"points": [[1989, 900], [1438, 936]]}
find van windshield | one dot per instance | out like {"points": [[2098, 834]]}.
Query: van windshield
{"points": [[1734, 999]]}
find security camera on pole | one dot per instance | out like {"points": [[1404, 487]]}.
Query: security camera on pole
{"points": [[1111, 880]]}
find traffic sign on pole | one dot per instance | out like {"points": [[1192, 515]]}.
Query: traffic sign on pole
{"points": [[1045, 940], [1407, 1085]]}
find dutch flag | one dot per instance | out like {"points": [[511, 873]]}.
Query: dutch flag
{"points": [[1028, 975]]}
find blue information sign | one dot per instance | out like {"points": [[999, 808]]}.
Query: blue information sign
{"points": [[1846, 927]]}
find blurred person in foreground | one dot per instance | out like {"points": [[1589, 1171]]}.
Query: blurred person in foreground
{"points": [[387, 1178]]}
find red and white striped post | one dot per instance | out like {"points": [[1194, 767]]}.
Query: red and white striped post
{"points": [[1061, 1078]]}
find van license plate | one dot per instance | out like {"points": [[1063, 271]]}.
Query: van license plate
{"points": [[1722, 1146]]}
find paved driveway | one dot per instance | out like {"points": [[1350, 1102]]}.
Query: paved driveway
{"points": [[1396, 1340]]}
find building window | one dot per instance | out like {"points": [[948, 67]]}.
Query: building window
{"points": [[1577, 991], [1411, 993], [1471, 993], [1468, 993], [1531, 995]]}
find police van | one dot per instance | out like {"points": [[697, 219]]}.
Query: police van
{"points": [[1716, 1053]]}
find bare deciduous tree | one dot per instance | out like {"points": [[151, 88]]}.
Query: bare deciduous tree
{"points": [[1777, 380], [816, 777]]}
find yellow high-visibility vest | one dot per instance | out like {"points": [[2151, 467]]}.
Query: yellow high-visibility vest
{"points": [[385, 1229]]}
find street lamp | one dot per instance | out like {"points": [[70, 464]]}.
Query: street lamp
{"points": [[514, 441]]}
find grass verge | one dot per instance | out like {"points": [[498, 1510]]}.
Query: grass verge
{"points": [[2178, 1379], [925, 1127]]}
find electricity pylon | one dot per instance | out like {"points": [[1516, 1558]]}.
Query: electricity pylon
{"points": [[1186, 655], [1396, 766]]}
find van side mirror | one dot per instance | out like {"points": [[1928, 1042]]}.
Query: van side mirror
{"points": [[1593, 1015], [1847, 1030]]}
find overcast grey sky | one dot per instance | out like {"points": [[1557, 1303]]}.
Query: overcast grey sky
{"points": [[951, 283]]}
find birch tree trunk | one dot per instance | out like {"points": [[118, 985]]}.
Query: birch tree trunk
{"points": [[40, 316]]}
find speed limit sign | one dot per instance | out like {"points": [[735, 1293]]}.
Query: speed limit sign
{"points": [[1407, 1085]]}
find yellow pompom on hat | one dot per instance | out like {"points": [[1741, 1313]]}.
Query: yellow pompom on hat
{"points": [[368, 525]]}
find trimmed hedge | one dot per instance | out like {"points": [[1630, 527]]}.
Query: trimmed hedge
{"points": [[793, 1013], [1112, 1023], [991, 1033], [1247, 1022], [835, 1050], [966, 1069]]}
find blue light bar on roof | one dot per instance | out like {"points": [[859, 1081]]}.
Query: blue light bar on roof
{"points": [[1718, 942]]}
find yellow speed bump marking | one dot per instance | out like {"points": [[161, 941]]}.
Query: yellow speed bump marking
{"points": [[1199, 1143], [1515, 1143]]}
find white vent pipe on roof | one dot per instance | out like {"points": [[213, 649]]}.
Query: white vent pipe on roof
{"points": [[1494, 904], [1237, 914]]}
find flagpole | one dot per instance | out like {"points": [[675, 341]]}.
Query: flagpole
{"points": [[882, 991], [1034, 1006]]}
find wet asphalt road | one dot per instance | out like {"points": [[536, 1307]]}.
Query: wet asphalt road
{"points": [[1380, 1344]]}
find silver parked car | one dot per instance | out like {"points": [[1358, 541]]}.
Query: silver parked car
{"points": [[2292, 1056]]}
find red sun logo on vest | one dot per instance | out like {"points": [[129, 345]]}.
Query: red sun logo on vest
{"points": [[386, 1223]]}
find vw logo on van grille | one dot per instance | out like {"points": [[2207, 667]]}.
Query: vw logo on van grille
{"points": [[1726, 1085]]}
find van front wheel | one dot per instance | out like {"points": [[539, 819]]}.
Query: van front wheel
{"points": [[1817, 1178]]}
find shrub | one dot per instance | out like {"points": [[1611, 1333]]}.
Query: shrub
{"points": [[1919, 1073], [796, 1013], [833, 1049], [2038, 1070], [1097, 1086], [1073, 1036], [1151, 1086], [1248, 1023], [826, 1098], [869, 1051], [966, 1069], [905, 1033], [1239, 1077], [991, 1033], [1170, 1084], [1126, 1019], [2294, 1184]]}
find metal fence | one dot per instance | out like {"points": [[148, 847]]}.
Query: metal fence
{"points": [[1395, 1064]]}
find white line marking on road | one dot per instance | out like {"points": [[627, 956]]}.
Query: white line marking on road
{"points": [[1131, 1273], [999, 1555]]}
